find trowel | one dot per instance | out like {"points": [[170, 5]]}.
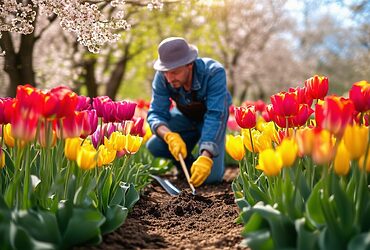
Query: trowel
{"points": [[167, 185]]}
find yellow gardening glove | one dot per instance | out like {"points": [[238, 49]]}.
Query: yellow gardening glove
{"points": [[200, 170], [175, 144]]}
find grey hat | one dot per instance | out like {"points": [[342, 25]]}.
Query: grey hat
{"points": [[174, 52]]}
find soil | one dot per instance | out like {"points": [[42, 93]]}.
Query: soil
{"points": [[160, 221]]}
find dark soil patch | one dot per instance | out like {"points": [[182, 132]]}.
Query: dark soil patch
{"points": [[159, 221]]}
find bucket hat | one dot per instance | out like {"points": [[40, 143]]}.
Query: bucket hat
{"points": [[174, 52]]}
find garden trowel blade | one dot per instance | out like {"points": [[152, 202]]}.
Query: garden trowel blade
{"points": [[167, 185]]}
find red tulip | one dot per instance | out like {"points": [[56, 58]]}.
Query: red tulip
{"points": [[360, 96], [285, 103], [317, 87], [337, 113], [246, 117], [302, 116], [303, 98], [67, 100], [5, 105]]}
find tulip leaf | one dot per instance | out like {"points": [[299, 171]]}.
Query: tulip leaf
{"points": [[131, 197], [360, 242], [41, 225], [313, 208], [83, 226], [344, 206], [306, 239], [329, 241], [115, 217], [118, 197], [260, 239], [106, 190], [20, 239]]}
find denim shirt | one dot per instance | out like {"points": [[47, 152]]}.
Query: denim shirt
{"points": [[209, 82]]}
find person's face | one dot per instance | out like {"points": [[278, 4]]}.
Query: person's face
{"points": [[179, 76]]}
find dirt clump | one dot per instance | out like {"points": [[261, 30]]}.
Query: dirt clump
{"points": [[202, 221]]}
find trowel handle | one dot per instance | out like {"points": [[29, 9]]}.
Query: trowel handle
{"points": [[183, 165]]}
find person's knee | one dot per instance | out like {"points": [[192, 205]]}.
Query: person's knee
{"points": [[156, 147]]}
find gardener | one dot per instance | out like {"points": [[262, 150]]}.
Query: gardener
{"points": [[198, 87]]}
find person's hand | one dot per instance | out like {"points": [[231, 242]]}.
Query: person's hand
{"points": [[175, 144], [200, 170]]}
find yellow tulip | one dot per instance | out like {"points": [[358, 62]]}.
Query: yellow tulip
{"points": [[323, 147], [270, 162], [247, 139], [2, 158], [342, 160], [288, 150], [305, 137], [356, 139], [361, 162], [261, 141], [8, 137], [71, 147], [270, 130], [148, 133], [87, 157], [235, 147], [133, 143], [117, 140], [105, 155]]}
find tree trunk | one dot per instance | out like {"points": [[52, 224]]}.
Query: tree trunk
{"points": [[18, 65], [90, 80], [118, 73]]}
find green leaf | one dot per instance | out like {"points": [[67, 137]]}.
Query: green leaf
{"points": [[115, 217], [40, 225], [313, 208], [119, 195], [83, 226], [360, 242], [344, 206], [306, 239], [260, 239], [107, 189], [328, 241], [131, 197]]}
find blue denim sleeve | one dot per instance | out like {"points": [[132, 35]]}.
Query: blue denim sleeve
{"points": [[159, 111], [217, 101]]}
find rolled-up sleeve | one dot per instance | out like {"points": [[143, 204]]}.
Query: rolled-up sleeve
{"points": [[158, 113], [217, 102]]}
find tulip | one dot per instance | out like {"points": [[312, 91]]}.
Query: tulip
{"points": [[342, 160], [83, 103], [137, 128], [246, 117], [116, 140], [356, 138], [360, 96], [110, 111], [288, 150], [304, 112], [105, 156], [148, 133], [133, 143], [125, 110], [270, 162], [47, 137], [87, 157], [235, 147], [303, 97], [89, 123], [323, 147], [285, 103], [4, 105], [261, 141], [8, 136], [305, 137], [98, 104], [72, 147], [338, 112], [67, 99], [317, 87], [71, 125], [269, 129], [2, 158], [361, 163]]}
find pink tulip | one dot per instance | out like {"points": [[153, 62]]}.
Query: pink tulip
{"points": [[125, 110], [84, 103], [98, 104]]}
